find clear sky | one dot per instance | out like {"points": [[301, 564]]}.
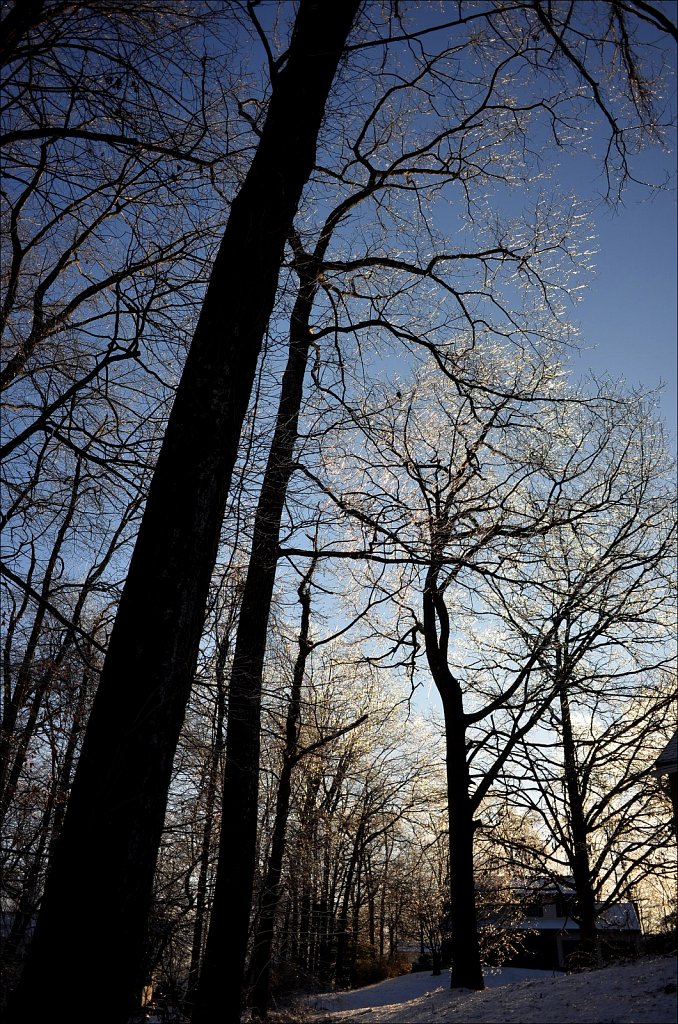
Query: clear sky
{"points": [[628, 313]]}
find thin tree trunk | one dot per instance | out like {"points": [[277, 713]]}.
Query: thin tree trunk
{"points": [[216, 760], [343, 965], [263, 941], [64, 781], [305, 925], [90, 935], [324, 939], [12, 760], [52, 818], [294, 926], [371, 905], [382, 898], [355, 920], [304, 847]]}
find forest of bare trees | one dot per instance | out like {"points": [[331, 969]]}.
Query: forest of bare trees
{"points": [[335, 608]]}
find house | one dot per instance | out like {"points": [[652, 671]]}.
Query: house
{"points": [[666, 770], [549, 935]]}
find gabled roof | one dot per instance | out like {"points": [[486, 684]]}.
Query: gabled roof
{"points": [[667, 762]]}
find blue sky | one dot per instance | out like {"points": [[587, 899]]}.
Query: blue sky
{"points": [[629, 309], [627, 315]]}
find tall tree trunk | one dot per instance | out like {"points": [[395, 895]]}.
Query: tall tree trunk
{"points": [[229, 927], [370, 887], [355, 920], [263, 940], [223, 969], [90, 935], [343, 967], [467, 971], [294, 926], [382, 898], [326, 919], [581, 868]]}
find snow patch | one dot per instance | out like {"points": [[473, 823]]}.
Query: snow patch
{"points": [[643, 992]]}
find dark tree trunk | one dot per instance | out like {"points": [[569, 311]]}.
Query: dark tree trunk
{"points": [[673, 793], [305, 925], [89, 943], [326, 919], [229, 927], [343, 968], [294, 926], [370, 886], [467, 971], [355, 920], [223, 967], [581, 869], [270, 896]]}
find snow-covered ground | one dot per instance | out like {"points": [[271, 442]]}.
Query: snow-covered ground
{"points": [[644, 992]]}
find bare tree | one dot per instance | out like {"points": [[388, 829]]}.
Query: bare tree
{"points": [[589, 776], [108, 845], [331, 270], [95, 152], [107, 321], [445, 493]]}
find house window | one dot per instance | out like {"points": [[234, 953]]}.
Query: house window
{"points": [[550, 910]]}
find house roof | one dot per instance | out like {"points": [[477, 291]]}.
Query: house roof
{"points": [[547, 924], [618, 917], [542, 885], [667, 762]]}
